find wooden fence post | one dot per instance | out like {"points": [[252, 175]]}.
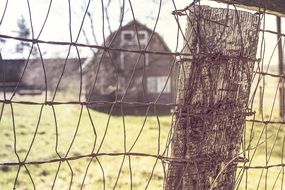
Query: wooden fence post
{"points": [[213, 92]]}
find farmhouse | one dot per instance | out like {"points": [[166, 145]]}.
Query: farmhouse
{"points": [[124, 73]]}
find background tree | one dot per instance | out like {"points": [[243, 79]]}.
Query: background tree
{"points": [[24, 32]]}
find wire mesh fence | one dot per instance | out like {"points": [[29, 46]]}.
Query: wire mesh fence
{"points": [[103, 103]]}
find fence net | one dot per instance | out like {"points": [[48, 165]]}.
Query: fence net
{"points": [[94, 95]]}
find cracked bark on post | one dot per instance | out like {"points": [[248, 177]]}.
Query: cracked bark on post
{"points": [[213, 91]]}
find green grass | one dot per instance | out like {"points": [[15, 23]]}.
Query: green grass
{"points": [[26, 118], [265, 150], [121, 133]]}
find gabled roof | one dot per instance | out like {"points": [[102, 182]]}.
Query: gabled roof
{"points": [[133, 22], [136, 23], [116, 32]]}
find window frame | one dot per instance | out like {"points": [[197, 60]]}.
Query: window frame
{"points": [[158, 83], [134, 41], [143, 42], [127, 42]]}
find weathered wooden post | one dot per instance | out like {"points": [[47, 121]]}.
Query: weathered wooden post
{"points": [[213, 92]]}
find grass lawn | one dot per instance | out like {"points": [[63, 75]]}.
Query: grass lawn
{"points": [[87, 139], [114, 134]]}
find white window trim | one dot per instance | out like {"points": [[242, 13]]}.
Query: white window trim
{"points": [[146, 56], [134, 41], [122, 64], [121, 84], [123, 41], [151, 85], [144, 41], [102, 89], [159, 84]]}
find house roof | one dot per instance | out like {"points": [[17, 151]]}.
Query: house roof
{"points": [[137, 23], [109, 41]]}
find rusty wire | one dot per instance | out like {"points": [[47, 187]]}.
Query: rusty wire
{"points": [[258, 137]]}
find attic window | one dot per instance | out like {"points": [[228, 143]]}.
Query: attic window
{"points": [[128, 37], [141, 36], [131, 37]]}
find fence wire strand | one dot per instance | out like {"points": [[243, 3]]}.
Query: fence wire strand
{"points": [[75, 134]]}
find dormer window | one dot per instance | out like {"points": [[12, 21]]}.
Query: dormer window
{"points": [[130, 37], [141, 36]]}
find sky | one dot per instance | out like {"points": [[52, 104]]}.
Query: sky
{"points": [[57, 25]]}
